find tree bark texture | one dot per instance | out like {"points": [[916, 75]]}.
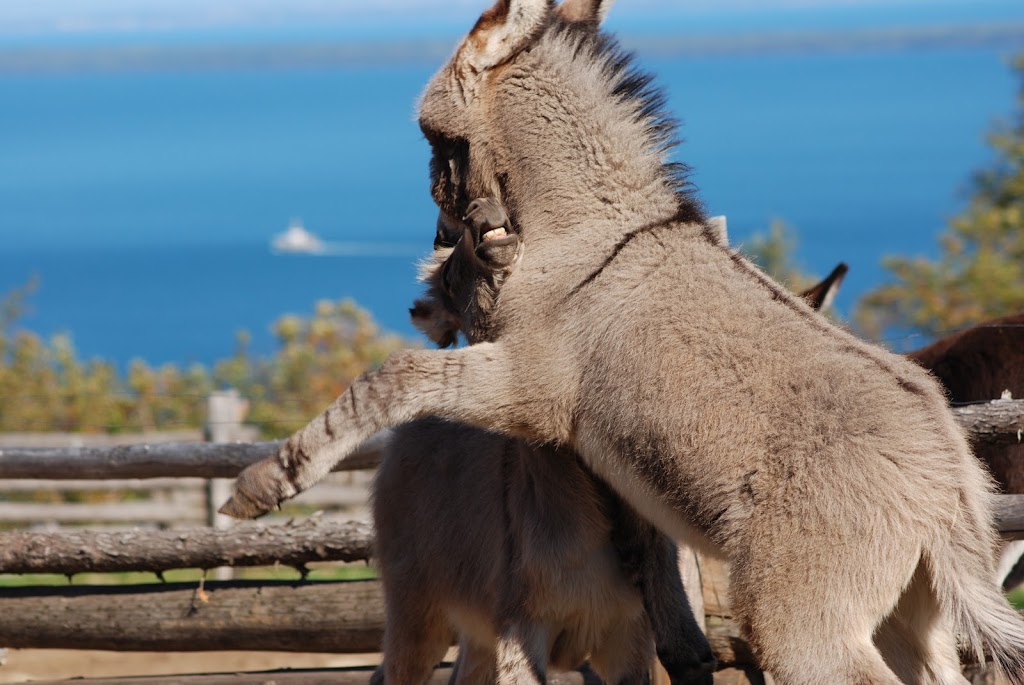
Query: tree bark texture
{"points": [[999, 422], [1010, 516], [335, 617], [170, 460], [331, 617], [245, 544]]}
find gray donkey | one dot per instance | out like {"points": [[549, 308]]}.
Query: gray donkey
{"points": [[476, 531], [827, 471]]}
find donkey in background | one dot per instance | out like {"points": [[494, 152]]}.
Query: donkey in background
{"points": [[477, 531], [829, 472], [978, 364]]}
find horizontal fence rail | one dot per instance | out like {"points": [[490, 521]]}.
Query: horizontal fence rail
{"points": [[999, 421], [169, 460], [331, 617], [187, 503], [246, 544], [344, 617]]}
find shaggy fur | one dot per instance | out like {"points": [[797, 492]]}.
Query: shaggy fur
{"points": [[976, 364], [829, 472], [507, 542]]}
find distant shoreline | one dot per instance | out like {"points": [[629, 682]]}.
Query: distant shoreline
{"points": [[201, 56]]}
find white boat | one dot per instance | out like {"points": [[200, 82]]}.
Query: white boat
{"points": [[297, 239]]}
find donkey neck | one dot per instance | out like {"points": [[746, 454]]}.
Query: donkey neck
{"points": [[576, 152]]}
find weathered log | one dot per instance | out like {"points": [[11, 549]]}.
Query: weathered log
{"points": [[245, 544], [251, 544], [1010, 516], [999, 422], [333, 617], [176, 460], [170, 460], [334, 676]]}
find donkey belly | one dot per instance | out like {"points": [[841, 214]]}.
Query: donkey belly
{"points": [[649, 500]]}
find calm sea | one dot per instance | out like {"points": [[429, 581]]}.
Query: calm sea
{"points": [[145, 202]]}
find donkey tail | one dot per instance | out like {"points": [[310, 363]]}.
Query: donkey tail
{"points": [[963, 580]]}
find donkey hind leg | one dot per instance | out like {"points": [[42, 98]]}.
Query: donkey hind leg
{"points": [[472, 385], [917, 640], [477, 665], [810, 633], [522, 655], [416, 638]]}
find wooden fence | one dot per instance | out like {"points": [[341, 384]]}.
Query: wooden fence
{"points": [[306, 616], [108, 481]]}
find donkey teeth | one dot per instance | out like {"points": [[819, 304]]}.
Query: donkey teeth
{"points": [[495, 233]]}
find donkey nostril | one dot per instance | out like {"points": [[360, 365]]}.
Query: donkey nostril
{"points": [[448, 231]]}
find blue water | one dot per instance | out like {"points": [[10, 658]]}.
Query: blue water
{"points": [[185, 304], [145, 201]]}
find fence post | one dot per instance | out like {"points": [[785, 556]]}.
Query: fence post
{"points": [[225, 410], [689, 570], [693, 584]]}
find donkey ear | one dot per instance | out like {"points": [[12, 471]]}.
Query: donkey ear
{"points": [[585, 10], [820, 296], [504, 30], [435, 322], [718, 227]]}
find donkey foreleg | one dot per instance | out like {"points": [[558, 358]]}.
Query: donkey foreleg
{"points": [[470, 385]]}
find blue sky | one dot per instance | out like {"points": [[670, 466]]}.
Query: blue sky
{"points": [[400, 18]]}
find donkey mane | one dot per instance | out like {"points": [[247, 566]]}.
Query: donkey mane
{"points": [[630, 84]]}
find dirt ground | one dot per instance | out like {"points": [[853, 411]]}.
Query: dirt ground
{"points": [[25, 665]]}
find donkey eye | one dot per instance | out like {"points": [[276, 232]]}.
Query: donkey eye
{"points": [[443, 145], [446, 147]]}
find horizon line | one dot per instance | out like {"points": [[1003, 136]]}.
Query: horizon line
{"points": [[330, 53]]}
